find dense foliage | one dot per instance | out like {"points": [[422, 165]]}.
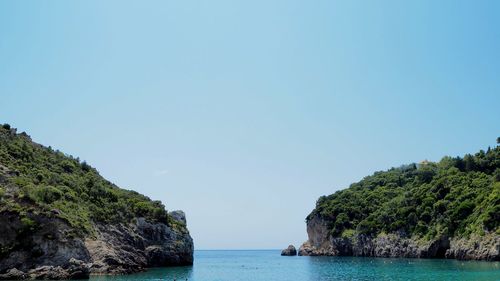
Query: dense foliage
{"points": [[34, 178], [454, 197]]}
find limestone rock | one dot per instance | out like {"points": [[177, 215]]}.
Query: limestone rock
{"points": [[13, 274], [178, 216], [52, 251], [395, 245], [290, 251]]}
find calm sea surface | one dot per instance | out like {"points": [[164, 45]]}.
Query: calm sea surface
{"points": [[268, 265]]}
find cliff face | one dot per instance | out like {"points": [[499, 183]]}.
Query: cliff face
{"points": [[121, 249], [49, 252], [59, 219], [53, 252], [396, 245]]}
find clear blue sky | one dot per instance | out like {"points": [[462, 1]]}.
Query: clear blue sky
{"points": [[243, 113]]}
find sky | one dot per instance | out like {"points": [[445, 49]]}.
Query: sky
{"points": [[243, 113]]}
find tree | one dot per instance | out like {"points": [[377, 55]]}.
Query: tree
{"points": [[469, 163]]}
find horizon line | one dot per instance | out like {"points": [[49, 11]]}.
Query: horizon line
{"points": [[238, 249]]}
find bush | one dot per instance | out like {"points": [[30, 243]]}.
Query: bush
{"points": [[48, 194], [27, 224], [348, 233], [85, 167], [68, 166]]}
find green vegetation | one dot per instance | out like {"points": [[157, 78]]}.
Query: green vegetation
{"points": [[454, 197], [37, 179]]}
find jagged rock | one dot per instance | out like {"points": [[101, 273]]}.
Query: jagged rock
{"points": [[53, 252], [75, 269], [51, 243], [307, 249], [13, 274], [486, 247], [128, 249], [321, 243], [290, 251], [59, 273], [171, 247], [78, 269], [178, 216]]}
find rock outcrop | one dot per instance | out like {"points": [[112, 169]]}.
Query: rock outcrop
{"points": [[52, 251], [394, 245], [121, 249], [47, 251], [289, 251], [485, 247]]}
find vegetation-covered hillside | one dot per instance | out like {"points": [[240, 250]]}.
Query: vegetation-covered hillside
{"points": [[38, 179], [454, 197]]}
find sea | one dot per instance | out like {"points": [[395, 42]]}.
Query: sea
{"points": [[268, 265]]}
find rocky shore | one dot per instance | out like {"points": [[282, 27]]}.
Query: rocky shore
{"points": [[52, 251], [320, 243]]}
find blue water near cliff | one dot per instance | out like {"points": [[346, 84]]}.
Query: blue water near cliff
{"points": [[268, 265]]}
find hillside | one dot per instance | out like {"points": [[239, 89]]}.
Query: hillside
{"points": [[446, 209], [100, 227]]}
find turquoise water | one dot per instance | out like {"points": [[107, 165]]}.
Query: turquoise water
{"points": [[270, 266]]}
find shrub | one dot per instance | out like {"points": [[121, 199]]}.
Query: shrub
{"points": [[48, 194], [68, 166], [27, 224], [348, 233]]}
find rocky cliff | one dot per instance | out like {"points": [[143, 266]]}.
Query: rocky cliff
{"points": [[59, 219], [448, 209], [396, 245], [52, 251]]}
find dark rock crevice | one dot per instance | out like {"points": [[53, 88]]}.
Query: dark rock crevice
{"points": [[439, 248]]}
